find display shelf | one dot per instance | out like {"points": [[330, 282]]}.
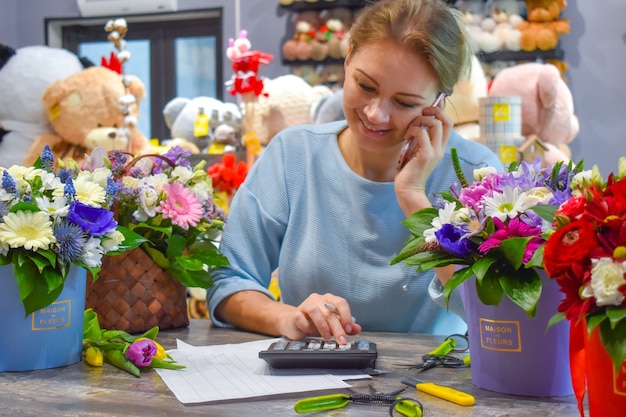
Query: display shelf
{"points": [[299, 6], [556, 53]]}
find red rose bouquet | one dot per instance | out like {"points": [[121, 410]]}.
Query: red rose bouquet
{"points": [[586, 254]]}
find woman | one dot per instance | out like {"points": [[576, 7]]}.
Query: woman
{"points": [[325, 203]]}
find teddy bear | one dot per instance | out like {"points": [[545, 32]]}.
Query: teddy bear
{"points": [[306, 23], [463, 105], [202, 121], [288, 102], [547, 107], [25, 73], [84, 110], [543, 26]]}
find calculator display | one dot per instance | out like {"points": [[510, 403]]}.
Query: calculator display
{"points": [[318, 353]]}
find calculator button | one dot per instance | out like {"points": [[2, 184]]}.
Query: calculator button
{"points": [[280, 345], [363, 345]]}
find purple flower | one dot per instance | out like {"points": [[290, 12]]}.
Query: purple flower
{"points": [[453, 240], [92, 220], [140, 352]]}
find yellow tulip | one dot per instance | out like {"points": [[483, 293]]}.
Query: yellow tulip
{"points": [[93, 356]]}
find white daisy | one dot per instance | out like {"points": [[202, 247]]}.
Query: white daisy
{"points": [[30, 230], [510, 203]]}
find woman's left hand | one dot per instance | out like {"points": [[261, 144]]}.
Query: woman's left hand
{"points": [[428, 135]]}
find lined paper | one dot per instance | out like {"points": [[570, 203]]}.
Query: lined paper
{"points": [[235, 371]]}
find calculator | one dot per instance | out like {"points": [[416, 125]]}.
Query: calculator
{"points": [[318, 353]]}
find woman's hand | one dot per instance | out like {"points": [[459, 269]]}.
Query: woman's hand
{"points": [[428, 135], [313, 318]]}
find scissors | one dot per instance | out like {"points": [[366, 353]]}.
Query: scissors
{"points": [[397, 405]]}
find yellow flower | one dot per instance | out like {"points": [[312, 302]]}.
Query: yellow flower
{"points": [[32, 230], [94, 356]]}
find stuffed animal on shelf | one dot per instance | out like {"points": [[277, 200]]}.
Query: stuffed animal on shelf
{"points": [[547, 107], [84, 111], [25, 73], [288, 102], [543, 26], [196, 120], [307, 24], [463, 105]]}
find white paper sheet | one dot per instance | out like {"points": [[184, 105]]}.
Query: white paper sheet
{"points": [[235, 371]]}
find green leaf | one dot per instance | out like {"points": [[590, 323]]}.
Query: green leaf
{"points": [[151, 333], [458, 278], [481, 266], [556, 318], [91, 325], [489, 290], [40, 297], [22, 206], [537, 260], [613, 341], [546, 212], [161, 363], [513, 250], [132, 240], [615, 315], [157, 256], [176, 245], [199, 279], [53, 278], [420, 221], [523, 287]]}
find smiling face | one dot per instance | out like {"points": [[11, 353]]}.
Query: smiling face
{"points": [[386, 87]]}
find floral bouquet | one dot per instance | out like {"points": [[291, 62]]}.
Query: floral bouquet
{"points": [[123, 350], [50, 221], [494, 227], [586, 254], [169, 204]]}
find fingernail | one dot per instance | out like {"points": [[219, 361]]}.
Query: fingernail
{"points": [[342, 340], [348, 328]]}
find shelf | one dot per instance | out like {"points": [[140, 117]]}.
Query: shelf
{"points": [[521, 55], [327, 61], [299, 6]]}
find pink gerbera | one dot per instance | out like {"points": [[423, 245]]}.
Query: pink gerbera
{"points": [[515, 228], [180, 205]]}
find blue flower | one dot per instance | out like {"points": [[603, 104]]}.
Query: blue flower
{"points": [[47, 159], [70, 241], [8, 183], [94, 221], [453, 240]]}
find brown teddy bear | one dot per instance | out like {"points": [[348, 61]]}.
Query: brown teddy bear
{"points": [[543, 27], [84, 110], [307, 24]]}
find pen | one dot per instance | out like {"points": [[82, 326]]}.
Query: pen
{"points": [[405, 149], [446, 393], [331, 307]]}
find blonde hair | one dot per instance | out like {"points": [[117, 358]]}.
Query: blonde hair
{"points": [[430, 28]]}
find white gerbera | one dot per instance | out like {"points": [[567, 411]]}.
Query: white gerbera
{"points": [[510, 203], [57, 208], [30, 230], [446, 215], [89, 192]]}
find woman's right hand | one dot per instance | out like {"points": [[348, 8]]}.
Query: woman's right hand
{"points": [[313, 318]]}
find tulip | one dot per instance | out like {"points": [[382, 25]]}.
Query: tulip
{"points": [[141, 352], [94, 356], [160, 352]]}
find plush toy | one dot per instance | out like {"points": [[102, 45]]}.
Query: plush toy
{"points": [[547, 106], [288, 103], [25, 73], [195, 120], [306, 24], [328, 108], [543, 26], [84, 111], [463, 105]]}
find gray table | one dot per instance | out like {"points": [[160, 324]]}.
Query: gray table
{"points": [[80, 390]]}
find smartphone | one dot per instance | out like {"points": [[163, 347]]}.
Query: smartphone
{"points": [[405, 154]]}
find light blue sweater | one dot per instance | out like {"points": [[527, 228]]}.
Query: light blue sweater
{"points": [[303, 210]]}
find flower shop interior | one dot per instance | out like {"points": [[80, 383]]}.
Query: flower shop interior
{"points": [[183, 60]]}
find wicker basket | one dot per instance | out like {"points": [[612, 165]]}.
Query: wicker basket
{"points": [[134, 294]]}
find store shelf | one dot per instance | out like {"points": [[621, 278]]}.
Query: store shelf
{"points": [[521, 55], [299, 6]]}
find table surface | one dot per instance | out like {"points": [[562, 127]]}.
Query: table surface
{"points": [[81, 390]]}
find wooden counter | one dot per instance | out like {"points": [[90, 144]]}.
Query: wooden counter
{"points": [[80, 390]]}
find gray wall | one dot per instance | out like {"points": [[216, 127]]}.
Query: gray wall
{"points": [[595, 50]]}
